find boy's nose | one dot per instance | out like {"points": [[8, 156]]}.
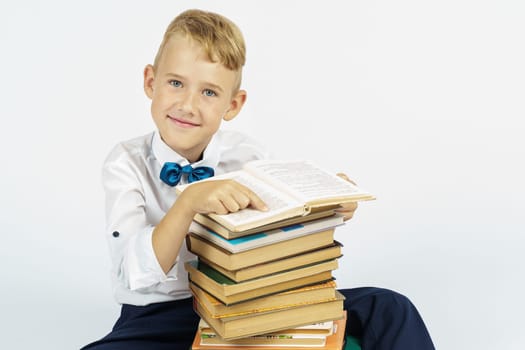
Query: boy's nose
{"points": [[188, 102]]}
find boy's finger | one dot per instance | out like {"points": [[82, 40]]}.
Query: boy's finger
{"points": [[231, 204], [216, 207], [255, 201], [242, 199]]}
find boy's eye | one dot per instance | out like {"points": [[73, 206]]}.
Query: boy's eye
{"points": [[209, 93], [175, 83]]}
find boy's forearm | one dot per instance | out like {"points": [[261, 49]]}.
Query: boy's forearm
{"points": [[220, 197], [169, 234]]}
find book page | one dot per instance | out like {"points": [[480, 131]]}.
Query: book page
{"points": [[303, 179], [277, 202]]}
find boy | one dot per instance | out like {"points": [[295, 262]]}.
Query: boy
{"points": [[193, 85]]}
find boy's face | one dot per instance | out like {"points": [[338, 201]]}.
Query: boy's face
{"points": [[190, 96]]}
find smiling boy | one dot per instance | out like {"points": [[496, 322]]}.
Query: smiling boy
{"points": [[191, 95], [194, 84]]}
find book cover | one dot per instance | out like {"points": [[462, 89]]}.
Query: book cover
{"points": [[311, 294], [335, 341], [284, 340], [311, 335], [272, 321], [318, 329], [226, 290], [317, 255], [235, 261]]}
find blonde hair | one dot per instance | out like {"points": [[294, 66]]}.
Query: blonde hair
{"points": [[220, 38]]}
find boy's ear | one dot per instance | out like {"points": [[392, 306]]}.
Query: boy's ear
{"points": [[235, 105], [149, 79]]}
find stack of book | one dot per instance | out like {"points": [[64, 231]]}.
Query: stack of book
{"points": [[268, 273], [281, 282]]}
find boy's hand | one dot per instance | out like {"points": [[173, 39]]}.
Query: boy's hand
{"points": [[221, 197], [347, 209], [217, 196]]}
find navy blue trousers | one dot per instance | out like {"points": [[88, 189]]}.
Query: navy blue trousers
{"points": [[381, 318]]}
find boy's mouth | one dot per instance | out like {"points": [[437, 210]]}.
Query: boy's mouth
{"points": [[182, 122]]}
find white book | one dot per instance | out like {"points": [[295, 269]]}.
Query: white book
{"points": [[289, 189]]}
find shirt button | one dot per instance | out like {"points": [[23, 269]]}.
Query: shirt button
{"points": [[116, 234]]}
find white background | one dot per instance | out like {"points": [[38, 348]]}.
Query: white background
{"points": [[419, 102]]}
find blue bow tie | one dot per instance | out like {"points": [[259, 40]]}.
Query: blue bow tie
{"points": [[171, 173]]}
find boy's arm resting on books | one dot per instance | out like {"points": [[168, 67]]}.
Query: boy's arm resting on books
{"points": [[347, 209], [219, 197]]}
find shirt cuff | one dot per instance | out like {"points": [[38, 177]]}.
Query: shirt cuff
{"points": [[141, 264]]}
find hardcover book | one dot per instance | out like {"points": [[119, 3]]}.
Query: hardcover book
{"points": [[311, 294], [266, 322], [330, 252], [334, 341], [235, 261], [229, 291], [311, 335]]}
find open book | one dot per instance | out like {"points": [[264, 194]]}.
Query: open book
{"points": [[289, 189]]}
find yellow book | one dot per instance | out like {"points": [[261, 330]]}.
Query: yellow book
{"points": [[318, 329], [235, 261], [287, 263], [310, 335], [266, 322], [311, 294], [334, 341], [229, 291]]}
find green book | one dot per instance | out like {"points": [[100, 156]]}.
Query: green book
{"points": [[228, 291], [212, 273]]}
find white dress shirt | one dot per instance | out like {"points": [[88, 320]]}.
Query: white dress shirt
{"points": [[136, 201]]}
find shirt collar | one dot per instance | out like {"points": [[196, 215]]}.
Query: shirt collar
{"points": [[165, 153]]}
